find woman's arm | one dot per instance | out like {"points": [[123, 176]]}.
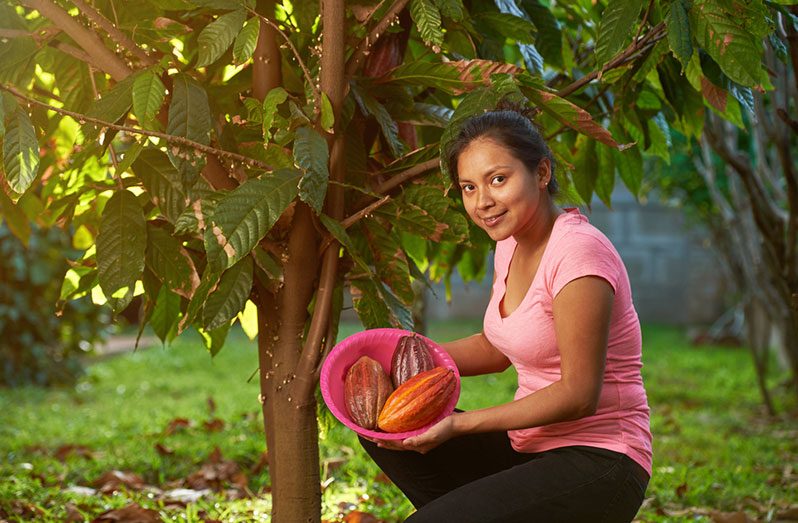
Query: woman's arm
{"points": [[582, 312], [475, 355]]}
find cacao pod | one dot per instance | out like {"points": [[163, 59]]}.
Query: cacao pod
{"points": [[411, 357], [366, 387], [418, 401]]}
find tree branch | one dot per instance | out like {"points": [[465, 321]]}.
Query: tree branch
{"points": [[85, 38], [333, 17], [178, 140], [362, 47], [646, 42], [266, 60], [112, 31], [412, 172]]}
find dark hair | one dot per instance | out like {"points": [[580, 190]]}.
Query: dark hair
{"points": [[509, 125]]}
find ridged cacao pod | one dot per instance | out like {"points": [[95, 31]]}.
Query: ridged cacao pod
{"points": [[418, 401], [366, 387], [411, 357]]}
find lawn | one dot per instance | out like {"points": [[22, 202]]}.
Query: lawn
{"points": [[175, 431]]}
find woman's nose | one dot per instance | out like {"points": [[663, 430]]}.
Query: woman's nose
{"points": [[484, 199]]}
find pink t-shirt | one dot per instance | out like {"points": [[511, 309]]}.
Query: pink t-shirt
{"points": [[621, 422]]}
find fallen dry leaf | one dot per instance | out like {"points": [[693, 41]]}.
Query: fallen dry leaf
{"points": [[216, 473], [357, 516], [113, 480], [790, 514], [133, 513], [163, 450], [213, 425], [211, 405], [73, 514], [64, 451], [177, 424], [730, 517], [681, 490]]}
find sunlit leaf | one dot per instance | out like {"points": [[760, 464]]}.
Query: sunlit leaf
{"points": [[189, 117], [20, 152], [148, 95], [246, 41], [217, 36], [162, 182], [170, 262], [121, 242], [230, 295], [165, 315]]}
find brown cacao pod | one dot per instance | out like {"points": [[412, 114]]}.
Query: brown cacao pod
{"points": [[366, 387], [411, 357], [418, 401]]}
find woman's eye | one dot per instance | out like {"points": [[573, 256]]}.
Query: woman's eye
{"points": [[467, 188], [498, 179]]}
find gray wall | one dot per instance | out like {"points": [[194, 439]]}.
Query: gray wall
{"points": [[675, 278]]}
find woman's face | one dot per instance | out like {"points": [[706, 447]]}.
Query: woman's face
{"points": [[499, 192]]}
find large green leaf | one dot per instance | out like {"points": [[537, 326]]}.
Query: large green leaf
{"points": [[390, 130], [214, 340], [679, 36], [245, 215], [549, 37], [15, 218], [20, 152], [170, 262], [508, 25], [217, 36], [190, 117], [272, 100], [165, 315], [660, 135], [452, 9], [571, 115], [719, 32], [208, 283], [121, 242], [162, 182], [112, 106], [17, 60], [370, 307], [390, 261], [312, 155], [428, 21], [230, 296], [629, 163], [148, 95], [617, 25], [606, 173], [340, 234], [246, 41], [585, 173]]}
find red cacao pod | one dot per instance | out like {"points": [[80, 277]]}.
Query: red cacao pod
{"points": [[418, 401], [411, 357], [366, 387]]}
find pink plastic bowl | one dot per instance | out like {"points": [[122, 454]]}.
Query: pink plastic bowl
{"points": [[377, 344]]}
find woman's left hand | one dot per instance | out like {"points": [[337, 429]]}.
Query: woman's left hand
{"points": [[437, 434]]}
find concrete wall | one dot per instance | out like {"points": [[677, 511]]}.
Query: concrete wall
{"points": [[674, 276]]}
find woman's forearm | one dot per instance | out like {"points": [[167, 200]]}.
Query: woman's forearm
{"points": [[553, 404], [475, 355]]}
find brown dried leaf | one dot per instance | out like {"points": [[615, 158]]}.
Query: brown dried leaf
{"points": [[73, 514], [216, 473], [211, 405], [681, 490], [730, 517], [64, 451], [357, 516], [113, 480], [213, 425], [133, 513], [790, 514], [163, 450], [176, 425]]}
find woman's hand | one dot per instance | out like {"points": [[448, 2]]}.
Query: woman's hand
{"points": [[423, 443]]}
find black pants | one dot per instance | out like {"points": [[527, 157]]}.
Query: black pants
{"points": [[480, 478]]}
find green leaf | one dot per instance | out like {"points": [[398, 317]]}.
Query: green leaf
{"points": [[390, 130], [129, 156], [452, 9], [340, 234], [20, 152], [217, 36], [113, 106], [15, 219], [390, 260], [736, 51], [246, 41], [428, 21], [165, 315], [230, 296], [617, 25], [121, 243], [606, 173], [244, 216], [273, 99], [248, 318], [170, 262], [510, 26], [312, 155], [660, 134], [190, 117], [571, 115], [585, 173], [214, 340], [629, 164], [679, 32], [208, 283], [327, 113], [148, 95], [162, 182], [370, 307], [549, 37]]}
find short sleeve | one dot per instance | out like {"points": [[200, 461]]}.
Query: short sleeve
{"points": [[577, 255]]}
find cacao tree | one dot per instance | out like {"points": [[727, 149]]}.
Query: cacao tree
{"points": [[252, 161]]}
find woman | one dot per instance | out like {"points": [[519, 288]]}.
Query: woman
{"points": [[574, 445]]}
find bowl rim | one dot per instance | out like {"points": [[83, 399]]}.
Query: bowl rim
{"points": [[352, 340]]}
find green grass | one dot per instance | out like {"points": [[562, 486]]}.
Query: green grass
{"points": [[714, 448]]}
